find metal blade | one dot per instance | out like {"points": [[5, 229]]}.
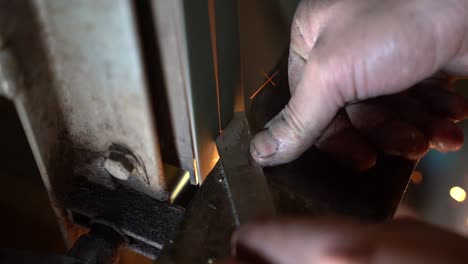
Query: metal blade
{"points": [[245, 179]]}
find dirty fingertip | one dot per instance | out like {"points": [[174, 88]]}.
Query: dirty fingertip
{"points": [[263, 147]]}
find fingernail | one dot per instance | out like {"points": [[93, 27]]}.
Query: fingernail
{"points": [[263, 145]]}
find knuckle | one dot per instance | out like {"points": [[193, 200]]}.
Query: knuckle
{"points": [[295, 125]]}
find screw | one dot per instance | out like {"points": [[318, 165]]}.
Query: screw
{"points": [[120, 165]]}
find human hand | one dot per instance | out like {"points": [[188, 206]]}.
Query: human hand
{"points": [[343, 52], [333, 241]]}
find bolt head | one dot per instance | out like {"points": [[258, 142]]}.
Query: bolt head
{"points": [[120, 165]]}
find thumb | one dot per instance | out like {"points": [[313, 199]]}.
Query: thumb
{"points": [[331, 240], [288, 241], [300, 123]]}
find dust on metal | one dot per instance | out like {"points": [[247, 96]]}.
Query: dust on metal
{"points": [[121, 163]]}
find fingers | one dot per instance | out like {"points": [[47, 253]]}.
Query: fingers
{"points": [[444, 135], [403, 124], [346, 241], [442, 101], [390, 124], [346, 145], [386, 132]]}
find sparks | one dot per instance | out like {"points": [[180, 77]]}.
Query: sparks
{"points": [[269, 80]]}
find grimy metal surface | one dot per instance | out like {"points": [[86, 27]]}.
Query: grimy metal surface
{"points": [[235, 192], [245, 179], [80, 90], [148, 224], [83, 89], [169, 24], [205, 233], [198, 45], [82, 94]]}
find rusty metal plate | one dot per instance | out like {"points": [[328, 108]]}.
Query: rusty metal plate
{"points": [[84, 90]]}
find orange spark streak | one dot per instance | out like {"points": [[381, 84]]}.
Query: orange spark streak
{"points": [[214, 50], [269, 79], [264, 84]]}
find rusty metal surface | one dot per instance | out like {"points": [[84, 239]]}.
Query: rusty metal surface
{"points": [[83, 100], [84, 89]]}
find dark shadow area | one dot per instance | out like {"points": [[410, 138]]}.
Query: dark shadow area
{"points": [[28, 221]]}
